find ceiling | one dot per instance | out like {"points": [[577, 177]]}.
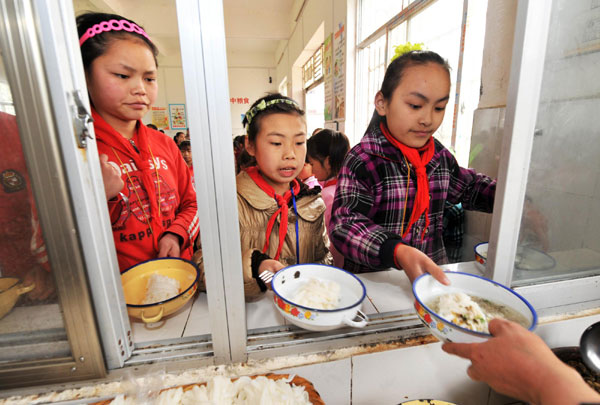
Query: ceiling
{"points": [[250, 25]]}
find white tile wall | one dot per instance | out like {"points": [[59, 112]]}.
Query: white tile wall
{"points": [[418, 372], [486, 140], [567, 148], [592, 236], [567, 215], [486, 144], [565, 333], [332, 380]]}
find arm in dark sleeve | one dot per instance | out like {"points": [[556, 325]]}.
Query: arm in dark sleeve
{"points": [[474, 190]]}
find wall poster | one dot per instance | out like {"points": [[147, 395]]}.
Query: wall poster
{"points": [[339, 72], [177, 116], [328, 76], [159, 117]]}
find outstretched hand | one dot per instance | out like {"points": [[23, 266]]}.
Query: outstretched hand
{"points": [[518, 363], [414, 262]]}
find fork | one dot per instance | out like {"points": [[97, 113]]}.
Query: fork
{"points": [[266, 276]]}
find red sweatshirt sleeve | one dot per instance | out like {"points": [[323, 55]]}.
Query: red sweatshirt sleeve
{"points": [[186, 223]]}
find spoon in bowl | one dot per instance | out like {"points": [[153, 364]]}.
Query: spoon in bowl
{"points": [[589, 346]]}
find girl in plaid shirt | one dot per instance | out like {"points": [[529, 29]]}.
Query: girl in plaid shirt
{"points": [[389, 202]]}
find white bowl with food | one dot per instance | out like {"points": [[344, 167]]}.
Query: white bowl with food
{"points": [[527, 258], [319, 297], [461, 311]]}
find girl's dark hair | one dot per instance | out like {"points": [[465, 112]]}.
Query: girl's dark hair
{"points": [[238, 141], [256, 112], [328, 144], [98, 44], [395, 71]]}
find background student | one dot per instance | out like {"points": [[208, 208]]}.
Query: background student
{"points": [[326, 150], [281, 219]]}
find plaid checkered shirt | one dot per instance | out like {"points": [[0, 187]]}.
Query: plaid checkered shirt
{"points": [[366, 221]]}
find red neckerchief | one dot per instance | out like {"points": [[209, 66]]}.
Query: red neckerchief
{"points": [[330, 182], [282, 203], [421, 204], [108, 135]]}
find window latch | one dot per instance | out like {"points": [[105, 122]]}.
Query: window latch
{"points": [[82, 118]]}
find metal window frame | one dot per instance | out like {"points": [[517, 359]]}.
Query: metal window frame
{"points": [[204, 61], [22, 46], [527, 66], [60, 50]]}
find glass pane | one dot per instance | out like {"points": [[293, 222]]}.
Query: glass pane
{"points": [[371, 68], [31, 320], [171, 183], [438, 28], [315, 107], [397, 37], [559, 235], [375, 13]]}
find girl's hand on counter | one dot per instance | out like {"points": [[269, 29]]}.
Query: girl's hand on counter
{"points": [[113, 183], [44, 284], [414, 263]]}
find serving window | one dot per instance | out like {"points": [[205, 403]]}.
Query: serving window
{"points": [[217, 326]]}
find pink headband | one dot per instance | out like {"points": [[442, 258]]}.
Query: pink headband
{"points": [[112, 25]]}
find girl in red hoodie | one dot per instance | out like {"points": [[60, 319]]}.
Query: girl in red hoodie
{"points": [[151, 200]]}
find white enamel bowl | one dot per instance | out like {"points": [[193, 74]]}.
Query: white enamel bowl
{"points": [[426, 289], [481, 251], [527, 258], [287, 281]]}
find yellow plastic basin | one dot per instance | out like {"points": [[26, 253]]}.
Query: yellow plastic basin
{"points": [[135, 281], [10, 290]]}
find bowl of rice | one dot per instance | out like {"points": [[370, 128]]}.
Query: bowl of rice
{"points": [[461, 311], [319, 297], [159, 287]]}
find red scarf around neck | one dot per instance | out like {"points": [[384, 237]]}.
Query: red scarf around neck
{"points": [[418, 161], [282, 203], [108, 135], [330, 182]]}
